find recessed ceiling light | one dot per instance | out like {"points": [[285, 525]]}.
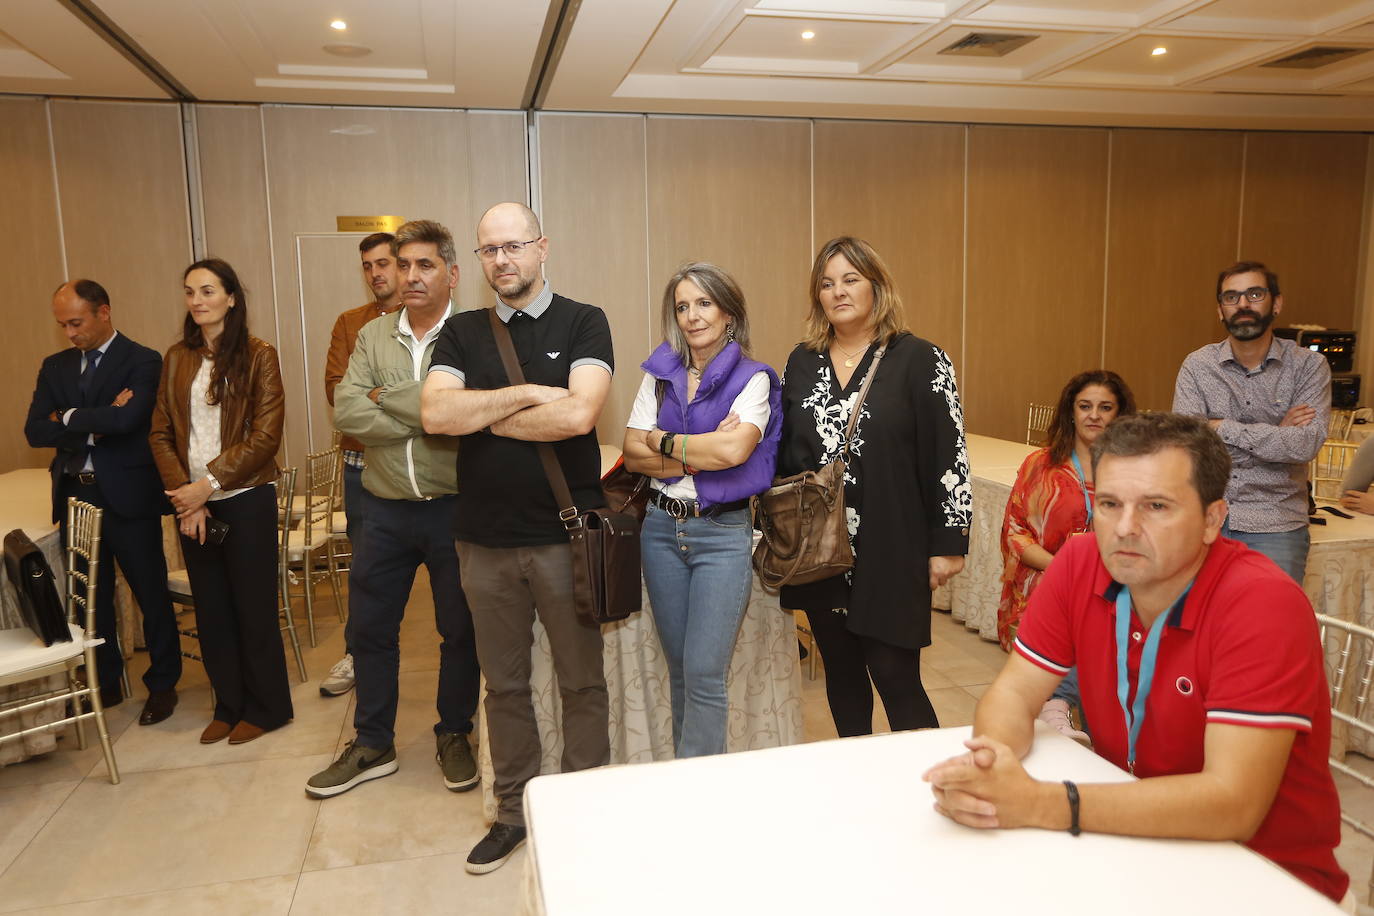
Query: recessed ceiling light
{"points": [[338, 25], [1161, 50], [808, 35]]}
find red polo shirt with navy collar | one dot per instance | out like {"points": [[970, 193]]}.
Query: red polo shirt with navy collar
{"points": [[1242, 650]]}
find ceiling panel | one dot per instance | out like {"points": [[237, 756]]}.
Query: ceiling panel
{"points": [[436, 53], [45, 50], [868, 59], [772, 43], [1134, 62]]}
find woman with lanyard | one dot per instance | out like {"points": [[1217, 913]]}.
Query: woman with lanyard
{"points": [[1050, 502]]}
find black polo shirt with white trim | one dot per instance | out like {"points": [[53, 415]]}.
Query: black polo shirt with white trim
{"points": [[504, 498]]}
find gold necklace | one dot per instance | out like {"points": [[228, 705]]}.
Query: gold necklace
{"points": [[852, 357]]}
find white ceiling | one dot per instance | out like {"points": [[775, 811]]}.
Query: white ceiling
{"points": [[1087, 61]]}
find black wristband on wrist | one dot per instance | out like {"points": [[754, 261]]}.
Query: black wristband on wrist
{"points": [[1074, 829]]}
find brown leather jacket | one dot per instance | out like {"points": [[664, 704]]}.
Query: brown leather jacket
{"points": [[250, 424]]}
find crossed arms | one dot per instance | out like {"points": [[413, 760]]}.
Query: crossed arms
{"points": [[532, 413]]}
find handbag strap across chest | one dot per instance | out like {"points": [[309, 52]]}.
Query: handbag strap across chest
{"points": [[859, 404], [567, 509]]}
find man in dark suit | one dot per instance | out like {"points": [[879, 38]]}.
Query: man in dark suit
{"points": [[93, 404]]}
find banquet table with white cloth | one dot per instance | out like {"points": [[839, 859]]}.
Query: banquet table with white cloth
{"points": [[26, 502], [847, 826], [973, 595], [764, 684]]}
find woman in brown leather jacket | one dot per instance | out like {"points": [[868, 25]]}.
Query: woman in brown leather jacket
{"points": [[215, 434]]}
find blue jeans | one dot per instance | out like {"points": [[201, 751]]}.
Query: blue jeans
{"points": [[698, 574], [401, 535], [1288, 549]]}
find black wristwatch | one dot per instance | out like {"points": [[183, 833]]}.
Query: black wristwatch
{"points": [[665, 445]]}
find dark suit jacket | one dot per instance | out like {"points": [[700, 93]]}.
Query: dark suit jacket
{"points": [[122, 460]]}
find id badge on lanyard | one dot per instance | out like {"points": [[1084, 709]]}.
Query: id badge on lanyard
{"points": [[1135, 712]]}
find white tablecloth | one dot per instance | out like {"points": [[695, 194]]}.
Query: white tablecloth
{"points": [[973, 595], [847, 827], [26, 502], [764, 686]]}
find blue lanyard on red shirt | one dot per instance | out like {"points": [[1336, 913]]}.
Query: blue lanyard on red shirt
{"points": [[1083, 484], [1135, 713]]}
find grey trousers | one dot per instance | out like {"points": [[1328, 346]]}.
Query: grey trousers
{"points": [[505, 588]]}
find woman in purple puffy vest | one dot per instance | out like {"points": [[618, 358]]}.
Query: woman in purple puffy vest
{"points": [[704, 428]]}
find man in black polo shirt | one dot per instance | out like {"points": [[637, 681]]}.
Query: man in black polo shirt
{"points": [[513, 551]]}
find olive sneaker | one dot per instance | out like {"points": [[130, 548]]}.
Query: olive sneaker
{"points": [[455, 759], [495, 848], [357, 764]]}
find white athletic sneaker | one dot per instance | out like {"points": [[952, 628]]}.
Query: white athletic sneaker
{"points": [[1055, 714], [339, 680]]}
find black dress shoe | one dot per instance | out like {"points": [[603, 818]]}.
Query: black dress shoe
{"points": [[159, 706]]}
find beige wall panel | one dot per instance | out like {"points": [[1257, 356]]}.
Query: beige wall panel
{"points": [[901, 187], [1037, 211], [1173, 225], [328, 162], [122, 177], [33, 261], [233, 180], [736, 192], [500, 172], [592, 180], [1304, 209]]}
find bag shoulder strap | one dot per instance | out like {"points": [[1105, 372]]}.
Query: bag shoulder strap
{"points": [[557, 481], [858, 405]]}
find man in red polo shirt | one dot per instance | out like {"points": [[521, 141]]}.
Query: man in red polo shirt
{"points": [[1225, 714]]}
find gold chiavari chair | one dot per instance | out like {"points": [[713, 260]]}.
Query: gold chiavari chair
{"points": [[23, 657], [1349, 650], [1038, 423], [307, 545], [1328, 469]]}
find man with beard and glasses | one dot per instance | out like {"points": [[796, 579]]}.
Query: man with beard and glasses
{"points": [[512, 547], [379, 272], [1270, 402]]}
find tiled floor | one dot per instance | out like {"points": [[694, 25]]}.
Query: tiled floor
{"points": [[228, 830]]}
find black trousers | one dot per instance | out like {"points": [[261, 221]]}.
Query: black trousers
{"points": [[850, 660], [235, 587], [136, 545]]}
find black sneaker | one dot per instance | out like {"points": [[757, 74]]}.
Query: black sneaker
{"points": [[357, 764], [454, 756], [495, 848]]}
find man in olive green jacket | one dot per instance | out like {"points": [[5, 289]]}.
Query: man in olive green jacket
{"points": [[409, 493]]}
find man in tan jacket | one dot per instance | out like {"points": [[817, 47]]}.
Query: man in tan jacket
{"points": [[380, 275]]}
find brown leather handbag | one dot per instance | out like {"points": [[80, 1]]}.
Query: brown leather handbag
{"points": [[604, 542], [802, 519]]}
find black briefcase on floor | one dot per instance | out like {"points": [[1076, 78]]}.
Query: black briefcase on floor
{"points": [[35, 589]]}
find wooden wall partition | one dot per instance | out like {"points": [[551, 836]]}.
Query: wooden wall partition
{"points": [[736, 192], [901, 187], [598, 251], [1172, 224], [327, 162], [33, 267], [125, 215], [1037, 208], [1304, 212], [1028, 253], [233, 192]]}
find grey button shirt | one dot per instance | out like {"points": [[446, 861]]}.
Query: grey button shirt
{"points": [[1268, 488]]}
